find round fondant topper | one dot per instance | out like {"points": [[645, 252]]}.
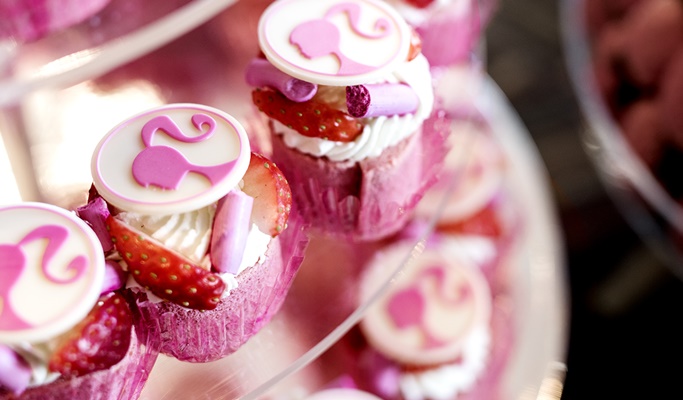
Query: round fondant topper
{"points": [[336, 43], [428, 313], [171, 159], [51, 269]]}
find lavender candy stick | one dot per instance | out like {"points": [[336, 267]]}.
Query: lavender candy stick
{"points": [[366, 101], [261, 72], [15, 373], [230, 228]]}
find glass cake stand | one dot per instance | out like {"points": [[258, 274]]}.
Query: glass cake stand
{"points": [[61, 94], [645, 203]]}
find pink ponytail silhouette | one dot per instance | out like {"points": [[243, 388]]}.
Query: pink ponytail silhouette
{"points": [[13, 263], [166, 167], [407, 307], [307, 36]]}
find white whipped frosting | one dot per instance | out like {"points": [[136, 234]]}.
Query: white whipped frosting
{"points": [[190, 234], [448, 381], [379, 133], [37, 355]]}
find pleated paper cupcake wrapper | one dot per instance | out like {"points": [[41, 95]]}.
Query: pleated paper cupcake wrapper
{"points": [[26, 21], [371, 199], [124, 380], [203, 336]]}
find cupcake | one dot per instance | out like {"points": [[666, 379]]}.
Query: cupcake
{"points": [[27, 21], [349, 102], [437, 333], [204, 227], [66, 328], [450, 29], [471, 201]]}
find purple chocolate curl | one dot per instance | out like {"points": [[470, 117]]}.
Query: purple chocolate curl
{"points": [[261, 72], [95, 213], [366, 101], [15, 373], [230, 230]]}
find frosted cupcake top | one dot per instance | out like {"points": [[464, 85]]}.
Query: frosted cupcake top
{"points": [[342, 79], [52, 268], [171, 159], [430, 313]]}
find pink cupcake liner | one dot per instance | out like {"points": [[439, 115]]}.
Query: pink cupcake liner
{"points": [[371, 199], [124, 380], [203, 336], [29, 20]]}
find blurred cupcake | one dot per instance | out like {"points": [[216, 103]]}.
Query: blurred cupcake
{"points": [[438, 332], [66, 330], [350, 104], [450, 29], [204, 227], [471, 198], [26, 21]]}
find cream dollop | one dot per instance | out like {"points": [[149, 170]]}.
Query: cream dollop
{"points": [[379, 133], [190, 234], [447, 381]]}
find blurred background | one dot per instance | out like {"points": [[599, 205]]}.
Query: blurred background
{"points": [[624, 339]]}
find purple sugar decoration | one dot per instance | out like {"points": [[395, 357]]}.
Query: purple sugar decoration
{"points": [[15, 373], [261, 72], [114, 277], [365, 101], [95, 213]]}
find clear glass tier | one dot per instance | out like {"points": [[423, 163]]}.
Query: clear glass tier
{"points": [[63, 94]]}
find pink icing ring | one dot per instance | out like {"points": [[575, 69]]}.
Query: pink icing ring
{"points": [[171, 159], [430, 310], [363, 40], [52, 268]]}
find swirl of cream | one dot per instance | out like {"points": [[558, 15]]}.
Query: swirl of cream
{"points": [[379, 133]]}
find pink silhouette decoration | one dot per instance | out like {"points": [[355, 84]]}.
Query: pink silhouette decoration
{"points": [[13, 263], [407, 307], [166, 167], [308, 37]]}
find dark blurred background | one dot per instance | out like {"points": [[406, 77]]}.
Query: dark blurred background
{"points": [[625, 339]]}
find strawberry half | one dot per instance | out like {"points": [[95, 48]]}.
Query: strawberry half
{"points": [[310, 118], [271, 192], [486, 223], [165, 272], [98, 342]]}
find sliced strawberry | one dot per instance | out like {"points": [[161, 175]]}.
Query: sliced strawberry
{"points": [[415, 45], [98, 342], [310, 118], [163, 271], [486, 223], [271, 192]]}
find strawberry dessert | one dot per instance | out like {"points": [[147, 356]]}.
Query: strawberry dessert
{"points": [[349, 101], [205, 228], [27, 21], [636, 50], [438, 332], [66, 328]]}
